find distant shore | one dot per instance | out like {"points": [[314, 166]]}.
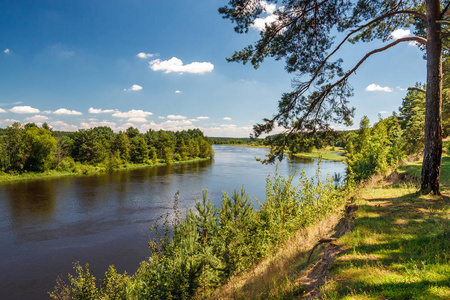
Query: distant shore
{"points": [[84, 170], [327, 154]]}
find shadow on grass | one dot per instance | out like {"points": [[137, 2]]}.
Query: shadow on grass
{"points": [[399, 249]]}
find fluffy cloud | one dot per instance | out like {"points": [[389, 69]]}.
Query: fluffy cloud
{"points": [[138, 120], [8, 121], [2, 110], [134, 113], [100, 111], [227, 130], [64, 111], [400, 33], [86, 125], [383, 112], [178, 92], [36, 118], [24, 110], [6, 51], [227, 119], [202, 118], [134, 87], [260, 23], [176, 117], [376, 88], [176, 65], [62, 126], [144, 55]]}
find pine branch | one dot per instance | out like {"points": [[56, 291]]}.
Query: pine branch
{"points": [[414, 88]]}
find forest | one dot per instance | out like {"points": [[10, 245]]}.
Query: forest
{"points": [[29, 148]]}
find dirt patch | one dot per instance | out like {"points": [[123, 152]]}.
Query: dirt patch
{"points": [[315, 277]]}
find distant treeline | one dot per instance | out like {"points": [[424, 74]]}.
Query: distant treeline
{"points": [[28, 147]]}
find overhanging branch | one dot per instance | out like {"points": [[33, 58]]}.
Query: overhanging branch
{"points": [[319, 100], [414, 88], [417, 14]]}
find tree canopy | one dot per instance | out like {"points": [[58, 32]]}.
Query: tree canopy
{"points": [[308, 35]]}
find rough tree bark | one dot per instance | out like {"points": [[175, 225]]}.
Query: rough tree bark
{"points": [[433, 114]]}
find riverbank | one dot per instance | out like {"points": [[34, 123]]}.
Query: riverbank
{"points": [[328, 154], [336, 154], [83, 170], [399, 248]]}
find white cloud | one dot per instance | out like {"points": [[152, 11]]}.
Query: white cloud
{"points": [[64, 111], [86, 125], [383, 112], [269, 9], [176, 65], [36, 118], [138, 120], [134, 87], [125, 126], [24, 110], [46, 112], [145, 55], [228, 131], [134, 113], [14, 103], [227, 119], [260, 23], [6, 51], [401, 89], [400, 33], [62, 126], [8, 121], [202, 118], [2, 110], [376, 88], [100, 111], [176, 117], [178, 92], [161, 117]]}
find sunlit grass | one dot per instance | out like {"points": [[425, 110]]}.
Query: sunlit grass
{"points": [[336, 154], [400, 247]]}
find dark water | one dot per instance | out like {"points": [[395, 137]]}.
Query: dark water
{"points": [[104, 219]]}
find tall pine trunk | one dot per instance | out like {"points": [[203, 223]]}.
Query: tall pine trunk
{"points": [[433, 117]]}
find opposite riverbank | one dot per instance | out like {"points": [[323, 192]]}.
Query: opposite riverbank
{"points": [[336, 154], [84, 169]]}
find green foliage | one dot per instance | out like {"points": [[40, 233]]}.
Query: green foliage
{"points": [[412, 116], [139, 150], [30, 148], [374, 150], [192, 255]]}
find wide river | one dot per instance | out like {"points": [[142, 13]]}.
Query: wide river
{"points": [[104, 219]]}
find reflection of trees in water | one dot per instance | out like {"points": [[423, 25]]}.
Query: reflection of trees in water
{"points": [[31, 202]]}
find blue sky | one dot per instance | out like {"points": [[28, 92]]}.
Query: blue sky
{"points": [[160, 65]]}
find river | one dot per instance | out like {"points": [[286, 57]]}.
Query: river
{"points": [[104, 219]]}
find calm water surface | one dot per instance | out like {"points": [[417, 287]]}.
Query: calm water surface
{"points": [[104, 219]]}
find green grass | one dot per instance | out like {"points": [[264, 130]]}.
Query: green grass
{"points": [[327, 154], [400, 246]]}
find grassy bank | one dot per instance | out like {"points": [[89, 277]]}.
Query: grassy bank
{"points": [[83, 169], [399, 248], [327, 154]]}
